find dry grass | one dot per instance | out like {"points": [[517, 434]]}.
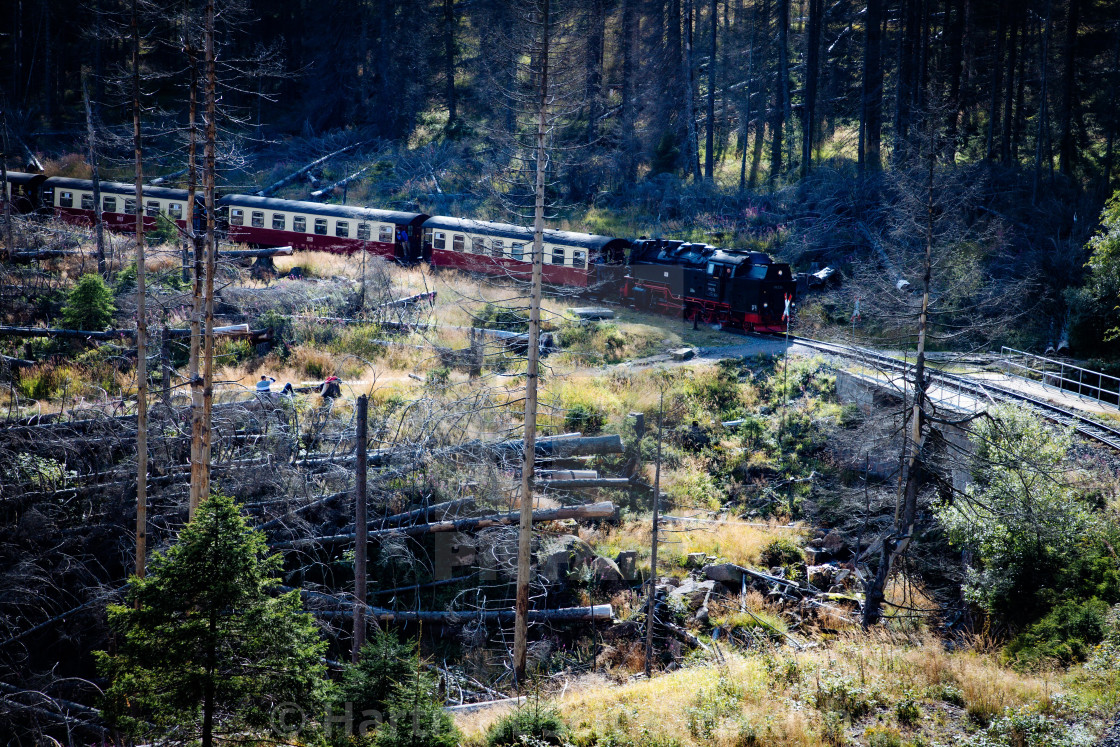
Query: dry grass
{"points": [[734, 541], [783, 697]]}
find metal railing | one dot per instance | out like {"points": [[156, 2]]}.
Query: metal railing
{"points": [[1062, 376]]}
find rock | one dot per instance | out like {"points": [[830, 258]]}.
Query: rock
{"points": [[691, 594], [701, 615], [682, 354], [816, 555], [628, 630], [778, 571], [605, 570], [627, 562], [562, 555], [834, 542], [726, 573], [842, 577], [695, 559], [821, 576]]}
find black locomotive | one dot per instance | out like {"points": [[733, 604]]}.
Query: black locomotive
{"points": [[703, 283]]}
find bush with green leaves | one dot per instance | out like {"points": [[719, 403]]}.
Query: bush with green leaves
{"points": [[535, 722], [385, 662], [89, 304], [1094, 311], [584, 418], [1024, 525], [781, 551], [1025, 728]]}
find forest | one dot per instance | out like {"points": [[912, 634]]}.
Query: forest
{"points": [[253, 493]]}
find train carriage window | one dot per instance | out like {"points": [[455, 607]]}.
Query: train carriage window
{"points": [[236, 217], [439, 240], [320, 226], [363, 231], [517, 251], [342, 229], [479, 245], [109, 205], [557, 255], [299, 224], [87, 202], [66, 199], [457, 243], [279, 222], [385, 234], [152, 209], [579, 259], [258, 219], [499, 249], [175, 210], [130, 207]]}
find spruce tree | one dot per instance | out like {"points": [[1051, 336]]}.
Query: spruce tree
{"points": [[204, 649], [89, 304]]}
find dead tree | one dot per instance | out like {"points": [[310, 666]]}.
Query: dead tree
{"points": [[91, 143], [141, 309]]}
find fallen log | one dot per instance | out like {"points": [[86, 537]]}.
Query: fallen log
{"points": [[422, 514], [604, 510], [618, 483], [297, 174], [16, 362], [596, 613], [278, 251], [23, 257], [429, 296], [340, 183]]}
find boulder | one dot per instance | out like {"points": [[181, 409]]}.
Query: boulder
{"points": [[605, 570], [627, 562], [563, 554], [682, 354], [691, 594], [834, 542], [727, 573], [816, 555]]}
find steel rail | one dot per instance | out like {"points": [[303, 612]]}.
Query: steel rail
{"points": [[1083, 425]]}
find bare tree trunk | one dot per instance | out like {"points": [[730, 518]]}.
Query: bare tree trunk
{"points": [[710, 136], [361, 528], [906, 513], [653, 543], [210, 185], [812, 73], [1067, 146], [593, 74], [1043, 111], [872, 103], [996, 85], [195, 248], [525, 531], [781, 91], [629, 99], [449, 62], [691, 147], [141, 312], [91, 142], [7, 194]]}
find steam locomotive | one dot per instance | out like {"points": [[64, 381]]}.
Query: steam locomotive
{"points": [[736, 289]]}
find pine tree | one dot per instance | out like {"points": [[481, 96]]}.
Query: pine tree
{"points": [[89, 305], [204, 649]]}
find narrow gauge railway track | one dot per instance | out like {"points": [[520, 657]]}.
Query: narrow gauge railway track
{"points": [[1083, 425]]}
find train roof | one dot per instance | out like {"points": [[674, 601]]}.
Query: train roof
{"points": [[588, 241], [120, 188], [20, 177], [318, 208]]}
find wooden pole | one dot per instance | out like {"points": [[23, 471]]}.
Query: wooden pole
{"points": [[195, 248], [524, 538], [141, 312], [653, 548], [7, 195], [361, 538]]}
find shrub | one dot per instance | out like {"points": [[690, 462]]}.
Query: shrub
{"points": [[781, 551], [502, 317], [165, 232], [587, 419], [907, 711], [535, 721], [1065, 635], [841, 694], [883, 736], [712, 706], [89, 305], [416, 715]]}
